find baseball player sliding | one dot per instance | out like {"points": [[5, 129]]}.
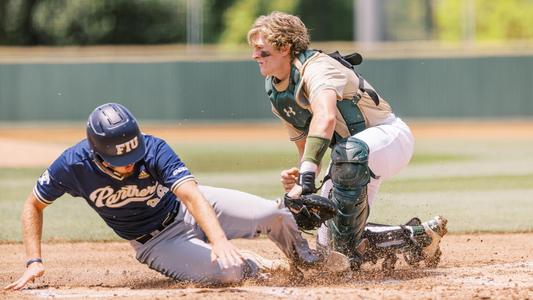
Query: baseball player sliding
{"points": [[147, 195], [324, 102]]}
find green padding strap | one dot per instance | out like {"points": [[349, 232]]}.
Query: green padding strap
{"points": [[315, 147]]}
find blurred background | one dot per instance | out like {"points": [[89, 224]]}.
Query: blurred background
{"points": [[429, 58], [95, 22], [459, 71]]}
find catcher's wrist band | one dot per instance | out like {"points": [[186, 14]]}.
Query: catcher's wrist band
{"points": [[315, 148], [308, 166], [33, 260]]}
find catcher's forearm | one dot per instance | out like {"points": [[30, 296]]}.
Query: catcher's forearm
{"points": [[32, 224], [324, 108]]}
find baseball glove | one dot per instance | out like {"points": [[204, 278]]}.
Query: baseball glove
{"points": [[310, 210]]}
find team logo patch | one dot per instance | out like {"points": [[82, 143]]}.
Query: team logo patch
{"points": [[144, 175], [45, 178], [179, 170]]}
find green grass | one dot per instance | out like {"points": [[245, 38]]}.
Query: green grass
{"points": [[462, 183], [496, 200], [428, 158], [207, 157]]}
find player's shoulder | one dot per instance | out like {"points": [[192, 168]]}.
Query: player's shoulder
{"points": [[77, 154], [155, 147], [152, 142], [72, 160], [322, 60]]}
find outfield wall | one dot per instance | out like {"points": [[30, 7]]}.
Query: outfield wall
{"points": [[474, 87]]}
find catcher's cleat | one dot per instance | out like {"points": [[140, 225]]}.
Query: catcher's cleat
{"points": [[389, 262], [414, 222], [358, 254], [436, 229], [427, 247]]}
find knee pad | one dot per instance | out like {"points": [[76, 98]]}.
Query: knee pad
{"points": [[349, 164]]}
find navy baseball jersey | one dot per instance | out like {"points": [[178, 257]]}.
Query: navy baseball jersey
{"points": [[131, 206]]}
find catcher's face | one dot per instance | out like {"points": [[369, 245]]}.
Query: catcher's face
{"points": [[271, 61]]}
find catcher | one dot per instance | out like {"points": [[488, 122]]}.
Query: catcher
{"points": [[323, 102], [145, 193]]}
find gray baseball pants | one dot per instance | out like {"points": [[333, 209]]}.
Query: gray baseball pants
{"points": [[181, 250]]}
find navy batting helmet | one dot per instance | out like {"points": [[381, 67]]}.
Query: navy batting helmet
{"points": [[114, 135]]}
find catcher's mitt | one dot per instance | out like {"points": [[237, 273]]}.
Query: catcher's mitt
{"points": [[310, 210]]}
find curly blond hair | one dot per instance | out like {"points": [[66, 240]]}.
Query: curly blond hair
{"points": [[280, 30]]}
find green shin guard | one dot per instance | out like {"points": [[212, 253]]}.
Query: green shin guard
{"points": [[350, 175], [348, 226]]}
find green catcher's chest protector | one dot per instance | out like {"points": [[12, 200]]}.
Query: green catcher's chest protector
{"points": [[285, 103]]}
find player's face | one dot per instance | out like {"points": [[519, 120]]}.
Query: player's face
{"points": [[122, 170], [271, 61]]}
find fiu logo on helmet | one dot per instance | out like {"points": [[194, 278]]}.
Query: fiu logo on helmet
{"points": [[127, 146]]}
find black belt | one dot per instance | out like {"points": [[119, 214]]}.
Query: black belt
{"points": [[168, 220]]}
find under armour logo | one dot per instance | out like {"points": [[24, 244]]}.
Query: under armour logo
{"points": [[289, 111]]}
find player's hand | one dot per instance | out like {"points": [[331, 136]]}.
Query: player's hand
{"points": [[289, 178], [227, 254], [33, 271], [295, 192]]}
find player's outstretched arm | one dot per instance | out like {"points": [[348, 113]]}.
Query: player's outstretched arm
{"points": [[227, 254], [321, 129], [32, 224]]}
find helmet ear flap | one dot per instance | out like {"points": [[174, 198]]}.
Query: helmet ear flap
{"points": [[114, 135]]}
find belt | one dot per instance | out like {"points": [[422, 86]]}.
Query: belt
{"points": [[168, 220]]}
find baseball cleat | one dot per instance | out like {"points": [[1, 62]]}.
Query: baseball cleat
{"points": [[435, 229], [413, 222], [389, 263]]}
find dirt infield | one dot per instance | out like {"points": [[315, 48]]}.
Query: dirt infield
{"points": [[476, 266], [486, 266]]}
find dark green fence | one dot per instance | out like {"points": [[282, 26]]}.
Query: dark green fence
{"points": [[492, 87]]}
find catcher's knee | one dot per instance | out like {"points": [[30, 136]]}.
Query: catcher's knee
{"points": [[349, 169]]}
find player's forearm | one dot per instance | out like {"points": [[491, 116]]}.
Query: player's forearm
{"points": [[206, 218], [32, 224], [201, 210], [324, 115], [300, 145], [320, 130]]}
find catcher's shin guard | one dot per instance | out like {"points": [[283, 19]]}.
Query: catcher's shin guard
{"points": [[350, 175], [347, 227]]}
